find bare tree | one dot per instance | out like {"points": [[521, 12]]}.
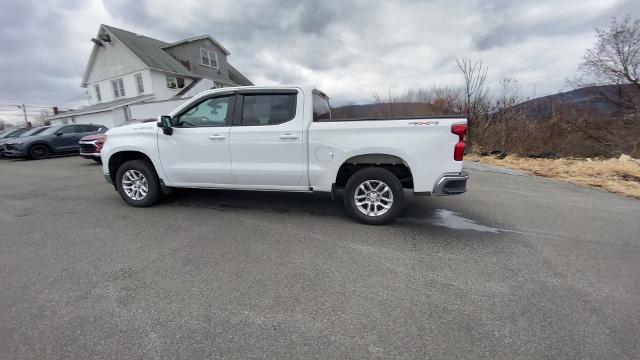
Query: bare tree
{"points": [[475, 92], [476, 104], [615, 57], [507, 113]]}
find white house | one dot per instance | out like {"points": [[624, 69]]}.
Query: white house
{"points": [[128, 70]]}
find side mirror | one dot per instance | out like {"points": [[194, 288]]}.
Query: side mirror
{"points": [[58, 133], [164, 122]]}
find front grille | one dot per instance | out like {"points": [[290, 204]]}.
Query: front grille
{"points": [[88, 148]]}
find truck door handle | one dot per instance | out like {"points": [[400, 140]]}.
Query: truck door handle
{"points": [[217, 136], [288, 136]]}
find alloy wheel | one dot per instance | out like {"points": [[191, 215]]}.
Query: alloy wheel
{"points": [[135, 185], [373, 198]]}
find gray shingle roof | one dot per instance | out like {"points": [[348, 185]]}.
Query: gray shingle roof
{"points": [[237, 77], [101, 106], [149, 51], [195, 38]]}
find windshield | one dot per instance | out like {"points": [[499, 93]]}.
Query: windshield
{"points": [[50, 130], [13, 133], [33, 131]]}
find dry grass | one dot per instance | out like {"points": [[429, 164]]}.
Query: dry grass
{"points": [[622, 177]]}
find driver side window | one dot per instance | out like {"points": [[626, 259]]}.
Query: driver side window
{"points": [[209, 112]]}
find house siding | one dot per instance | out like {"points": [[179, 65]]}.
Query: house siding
{"points": [[130, 87], [105, 118], [159, 84], [112, 61], [190, 52]]}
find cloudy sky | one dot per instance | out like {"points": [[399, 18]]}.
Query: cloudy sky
{"points": [[349, 49]]}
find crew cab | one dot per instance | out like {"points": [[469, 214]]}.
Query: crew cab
{"points": [[284, 139]]}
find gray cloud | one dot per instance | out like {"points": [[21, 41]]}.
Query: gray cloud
{"points": [[347, 48], [506, 23]]}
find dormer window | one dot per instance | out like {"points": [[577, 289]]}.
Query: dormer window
{"points": [[208, 58]]}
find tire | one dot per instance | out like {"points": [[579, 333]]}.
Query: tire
{"points": [[39, 151], [136, 174], [98, 160], [376, 187]]}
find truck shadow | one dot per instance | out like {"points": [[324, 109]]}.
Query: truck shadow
{"points": [[421, 214], [315, 204]]}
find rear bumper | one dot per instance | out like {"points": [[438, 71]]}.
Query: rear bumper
{"points": [[451, 184]]}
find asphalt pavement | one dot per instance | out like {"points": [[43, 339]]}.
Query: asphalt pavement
{"points": [[519, 267]]}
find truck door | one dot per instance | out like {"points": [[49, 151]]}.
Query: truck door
{"points": [[267, 144], [197, 153]]}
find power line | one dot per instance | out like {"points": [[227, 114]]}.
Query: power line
{"points": [[74, 98], [27, 105], [29, 111], [5, 108]]}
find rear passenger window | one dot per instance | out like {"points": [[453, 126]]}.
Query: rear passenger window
{"points": [[268, 109], [68, 130], [321, 108]]}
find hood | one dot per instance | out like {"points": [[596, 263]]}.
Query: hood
{"points": [[7, 140], [20, 140], [93, 137], [147, 127]]}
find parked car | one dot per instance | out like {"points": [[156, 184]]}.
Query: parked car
{"points": [[9, 135], [91, 145], [283, 139], [33, 131], [62, 139]]}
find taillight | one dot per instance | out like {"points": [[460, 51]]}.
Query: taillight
{"points": [[461, 131]]}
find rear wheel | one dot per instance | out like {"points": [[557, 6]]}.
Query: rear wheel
{"points": [[98, 160], [137, 183], [374, 196], [39, 151]]}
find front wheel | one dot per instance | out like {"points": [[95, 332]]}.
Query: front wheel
{"points": [[137, 183], [374, 196], [39, 152]]}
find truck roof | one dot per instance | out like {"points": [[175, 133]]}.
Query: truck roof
{"points": [[306, 89]]}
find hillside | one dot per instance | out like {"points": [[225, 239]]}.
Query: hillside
{"points": [[386, 109], [606, 101]]}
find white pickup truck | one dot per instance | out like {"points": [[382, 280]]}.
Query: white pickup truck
{"points": [[283, 139]]}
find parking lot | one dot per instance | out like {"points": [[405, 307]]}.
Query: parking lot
{"points": [[519, 267]]}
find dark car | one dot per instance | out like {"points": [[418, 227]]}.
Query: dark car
{"points": [[91, 145], [9, 135], [61, 139]]}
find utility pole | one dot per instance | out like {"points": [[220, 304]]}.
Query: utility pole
{"points": [[24, 111]]}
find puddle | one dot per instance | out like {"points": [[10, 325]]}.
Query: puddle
{"points": [[452, 220]]}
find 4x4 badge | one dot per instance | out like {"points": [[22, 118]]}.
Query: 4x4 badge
{"points": [[424, 123]]}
